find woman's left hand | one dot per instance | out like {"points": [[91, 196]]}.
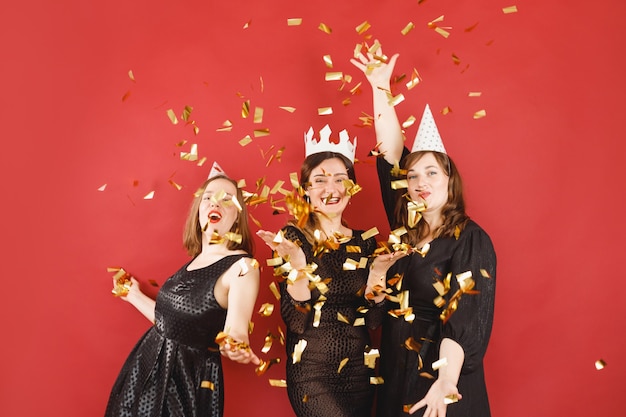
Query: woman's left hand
{"points": [[237, 354], [435, 399]]}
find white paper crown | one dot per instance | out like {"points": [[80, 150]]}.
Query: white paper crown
{"points": [[428, 138], [216, 169], [344, 147]]}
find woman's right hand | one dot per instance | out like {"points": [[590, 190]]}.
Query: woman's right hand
{"points": [[377, 72], [285, 248]]}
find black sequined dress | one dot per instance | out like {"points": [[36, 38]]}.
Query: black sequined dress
{"points": [[469, 326], [316, 386], [164, 373]]}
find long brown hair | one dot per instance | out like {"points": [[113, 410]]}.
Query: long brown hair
{"points": [[308, 165], [453, 212], [192, 234]]}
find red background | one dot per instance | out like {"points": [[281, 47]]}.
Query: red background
{"points": [[543, 173]]}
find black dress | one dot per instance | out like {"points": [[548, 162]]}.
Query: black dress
{"points": [[175, 369], [315, 385], [469, 326]]}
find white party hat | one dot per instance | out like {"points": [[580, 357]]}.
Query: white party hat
{"points": [[344, 147], [428, 138], [216, 169]]}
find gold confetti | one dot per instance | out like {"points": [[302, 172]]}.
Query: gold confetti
{"points": [[328, 61], [207, 384], [297, 350], [370, 356], [484, 273], [245, 141], [177, 186], [324, 111], [333, 76], [359, 321], [510, 9], [186, 113], [245, 109], [474, 94], [394, 101], [409, 27], [261, 132], [294, 21], [122, 282], [408, 122], [363, 27], [350, 265], [600, 364], [480, 114], [324, 28], [369, 233], [266, 309], [415, 79], [131, 75], [287, 108], [247, 24], [227, 126], [172, 116], [342, 318], [281, 383], [149, 196], [440, 363], [192, 155], [343, 363], [449, 399], [376, 380], [102, 187], [446, 110], [265, 365], [456, 59], [258, 115]]}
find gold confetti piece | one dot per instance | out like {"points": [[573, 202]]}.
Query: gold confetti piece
{"points": [[369, 358], [449, 399], [207, 384], [258, 115], [126, 95], [426, 375], [245, 141], [343, 363], [287, 108], [474, 94], [399, 184], [484, 273], [266, 309], [247, 24], [408, 122], [245, 109], [446, 110], [324, 111], [342, 318], [102, 187], [456, 59], [172, 116], [192, 155], [328, 61], [281, 383], [333, 76], [363, 27], [177, 186], [369, 233], [186, 113], [376, 380], [510, 9], [269, 340], [440, 363], [359, 321], [324, 28], [227, 126], [294, 21], [297, 350], [394, 101], [600, 364], [415, 79], [480, 114], [265, 365], [153, 283], [350, 265], [149, 196], [131, 75], [409, 27], [261, 132]]}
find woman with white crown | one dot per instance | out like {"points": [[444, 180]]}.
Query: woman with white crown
{"points": [[323, 303], [432, 346]]}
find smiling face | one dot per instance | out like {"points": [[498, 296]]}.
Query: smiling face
{"points": [[326, 188], [428, 181], [218, 210]]}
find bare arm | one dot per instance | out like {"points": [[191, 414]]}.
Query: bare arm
{"points": [[243, 289], [139, 300], [446, 383], [386, 124]]}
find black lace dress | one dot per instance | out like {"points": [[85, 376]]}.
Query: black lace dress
{"points": [[469, 326], [316, 386], [175, 369]]}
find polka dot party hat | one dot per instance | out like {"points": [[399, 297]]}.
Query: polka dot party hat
{"points": [[427, 138], [216, 169]]}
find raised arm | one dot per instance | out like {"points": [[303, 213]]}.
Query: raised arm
{"points": [[378, 71]]}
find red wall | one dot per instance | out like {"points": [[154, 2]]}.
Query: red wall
{"points": [[543, 173]]}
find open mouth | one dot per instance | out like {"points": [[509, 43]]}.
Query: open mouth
{"points": [[423, 195], [331, 200], [215, 216]]}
